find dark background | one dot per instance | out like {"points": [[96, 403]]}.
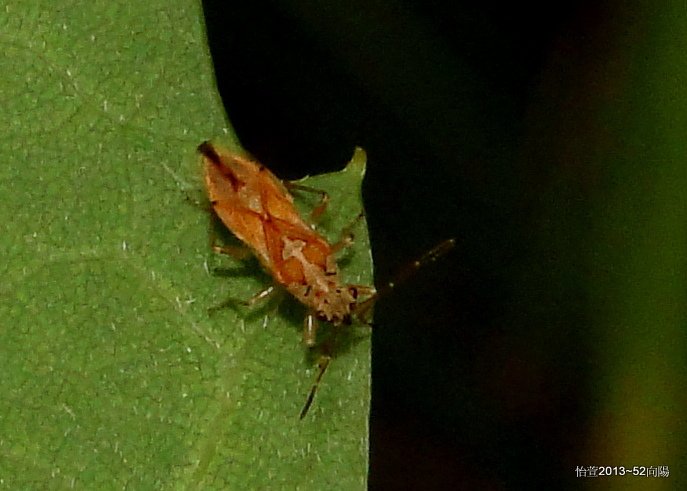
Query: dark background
{"points": [[480, 363]]}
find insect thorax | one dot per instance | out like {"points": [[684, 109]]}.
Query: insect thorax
{"points": [[319, 287], [331, 304]]}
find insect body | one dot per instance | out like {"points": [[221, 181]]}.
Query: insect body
{"points": [[258, 208]]}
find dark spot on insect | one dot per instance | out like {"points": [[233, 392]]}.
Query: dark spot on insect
{"points": [[209, 152], [235, 182]]}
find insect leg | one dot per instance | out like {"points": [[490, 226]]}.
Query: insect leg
{"points": [[347, 236], [258, 297], [238, 252], [321, 207]]}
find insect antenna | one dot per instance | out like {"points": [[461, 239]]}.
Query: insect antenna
{"points": [[362, 309], [322, 364]]}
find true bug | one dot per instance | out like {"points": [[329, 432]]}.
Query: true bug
{"points": [[259, 210]]}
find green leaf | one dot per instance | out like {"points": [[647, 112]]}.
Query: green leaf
{"points": [[114, 373]]}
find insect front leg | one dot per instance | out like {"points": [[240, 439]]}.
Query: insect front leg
{"points": [[363, 309], [260, 296]]}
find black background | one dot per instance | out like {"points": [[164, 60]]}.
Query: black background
{"points": [[478, 366]]}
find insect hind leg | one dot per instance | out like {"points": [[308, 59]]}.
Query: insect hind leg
{"points": [[320, 208]]}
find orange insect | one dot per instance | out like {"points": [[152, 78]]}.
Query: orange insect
{"points": [[258, 209]]}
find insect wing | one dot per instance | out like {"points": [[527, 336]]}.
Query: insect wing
{"points": [[288, 269], [257, 208], [236, 200]]}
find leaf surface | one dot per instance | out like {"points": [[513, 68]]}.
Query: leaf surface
{"points": [[114, 373]]}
